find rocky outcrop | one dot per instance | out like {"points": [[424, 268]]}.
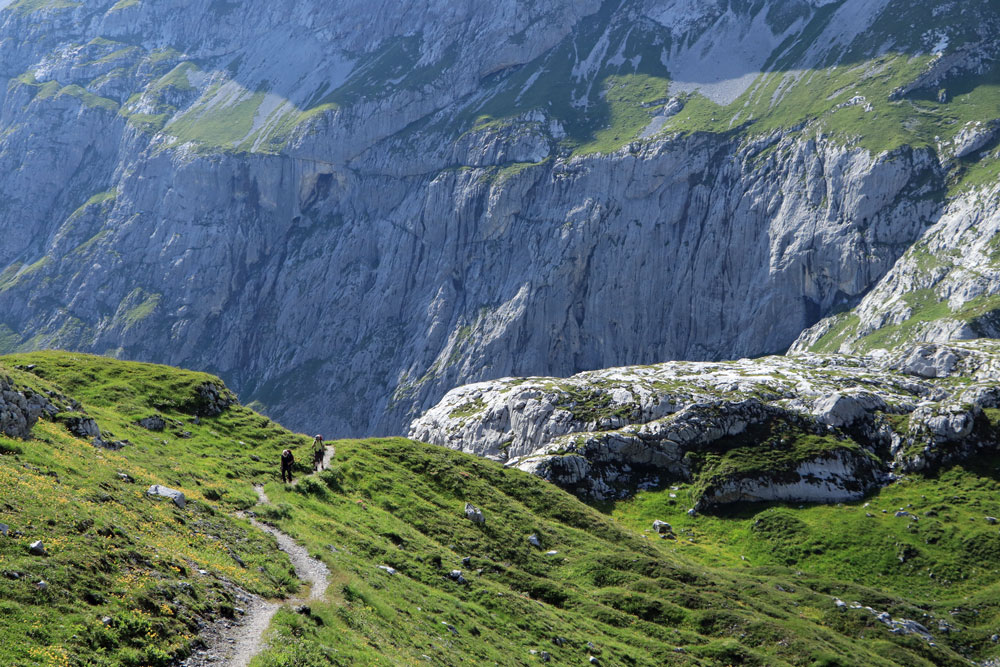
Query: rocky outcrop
{"points": [[815, 428], [212, 400], [838, 476], [21, 408]]}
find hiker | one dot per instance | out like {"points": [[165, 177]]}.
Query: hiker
{"points": [[319, 451], [287, 461]]}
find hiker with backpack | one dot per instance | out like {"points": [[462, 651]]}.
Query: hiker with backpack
{"points": [[319, 451], [287, 461]]}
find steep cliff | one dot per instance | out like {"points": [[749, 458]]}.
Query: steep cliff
{"points": [[345, 210]]}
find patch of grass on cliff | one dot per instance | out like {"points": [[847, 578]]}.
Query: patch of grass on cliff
{"points": [[590, 404], [32, 6], [842, 328], [223, 124], [979, 312], [468, 409]]}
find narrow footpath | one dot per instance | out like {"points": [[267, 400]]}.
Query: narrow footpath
{"points": [[235, 644]]}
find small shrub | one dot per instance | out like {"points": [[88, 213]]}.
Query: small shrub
{"points": [[9, 448], [310, 486], [275, 512], [333, 480]]}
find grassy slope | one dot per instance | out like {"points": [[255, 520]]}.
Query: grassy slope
{"points": [[946, 562], [398, 503]]}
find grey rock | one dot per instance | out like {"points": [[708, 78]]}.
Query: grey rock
{"points": [[21, 408], [991, 520], [387, 569], [113, 445], [125, 477], [534, 541], [930, 361], [842, 409], [473, 514], [4, 529], [166, 492], [152, 423], [36, 548], [973, 137], [42, 585], [83, 427], [456, 575], [662, 527]]}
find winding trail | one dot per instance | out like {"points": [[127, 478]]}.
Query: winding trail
{"points": [[234, 644]]}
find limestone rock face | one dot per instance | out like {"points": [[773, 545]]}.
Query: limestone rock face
{"points": [[346, 211], [806, 427]]}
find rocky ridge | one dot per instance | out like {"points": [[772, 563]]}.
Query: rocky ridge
{"points": [[818, 428]]}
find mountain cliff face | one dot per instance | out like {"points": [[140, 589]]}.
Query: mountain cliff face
{"points": [[345, 210]]}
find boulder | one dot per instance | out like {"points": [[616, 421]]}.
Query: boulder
{"points": [[113, 445], [534, 541], [456, 575], [843, 409], [929, 361], [662, 527], [36, 548], [166, 492], [152, 423], [388, 569], [20, 409], [473, 514], [4, 529], [82, 427]]}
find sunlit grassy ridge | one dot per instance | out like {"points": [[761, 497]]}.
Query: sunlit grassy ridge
{"points": [[128, 588]]}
